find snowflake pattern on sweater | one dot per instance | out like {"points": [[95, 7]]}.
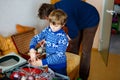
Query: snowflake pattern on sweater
{"points": [[56, 45]]}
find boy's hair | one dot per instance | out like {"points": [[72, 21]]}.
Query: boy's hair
{"points": [[57, 17], [45, 10]]}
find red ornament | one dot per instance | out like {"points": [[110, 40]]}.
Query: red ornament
{"points": [[30, 77]]}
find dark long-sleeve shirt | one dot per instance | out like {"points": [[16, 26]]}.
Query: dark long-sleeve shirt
{"points": [[81, 15]]}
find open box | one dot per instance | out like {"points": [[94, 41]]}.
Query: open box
{"points": [[13, 62], [10, 62]]}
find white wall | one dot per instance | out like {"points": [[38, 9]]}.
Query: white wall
{"points": [[22, 12]]}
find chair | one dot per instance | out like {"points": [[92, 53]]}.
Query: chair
{"points": [[21, 42], [73, 64]]}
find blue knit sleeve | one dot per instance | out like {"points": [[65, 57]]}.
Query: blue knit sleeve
{"points": [[59, 55], [37, 38]]}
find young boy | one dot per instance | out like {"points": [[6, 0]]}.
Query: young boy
{"points": [[56, 43]]}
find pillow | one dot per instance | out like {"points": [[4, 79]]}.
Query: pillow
{"points": [[21, 28], [10, 43], [6, 45], [0, 53], [3, 44], [54, 1]]}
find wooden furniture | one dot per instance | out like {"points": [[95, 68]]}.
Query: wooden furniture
{"points": [[22, 41]]}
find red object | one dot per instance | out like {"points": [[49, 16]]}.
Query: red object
{"points": [[113, 31], [28, 70], [117, 2], [14, 73], [30, 77]]}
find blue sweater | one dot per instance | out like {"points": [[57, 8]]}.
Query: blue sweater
{"points": [[81, 15], [56, 45]]}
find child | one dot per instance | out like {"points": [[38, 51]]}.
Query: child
{"points": [[56, 43]]}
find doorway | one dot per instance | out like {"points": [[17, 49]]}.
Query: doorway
{"points": [[105, 32], [107, 35], [115, 30]]}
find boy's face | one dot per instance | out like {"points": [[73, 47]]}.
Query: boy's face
{"points": [[55, 27]]}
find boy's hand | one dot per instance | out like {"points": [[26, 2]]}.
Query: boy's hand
{"points": [[32, 50], [37, 62], [32, 54]]}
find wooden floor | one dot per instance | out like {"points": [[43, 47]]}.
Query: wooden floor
{"points": [[99, 71]]}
